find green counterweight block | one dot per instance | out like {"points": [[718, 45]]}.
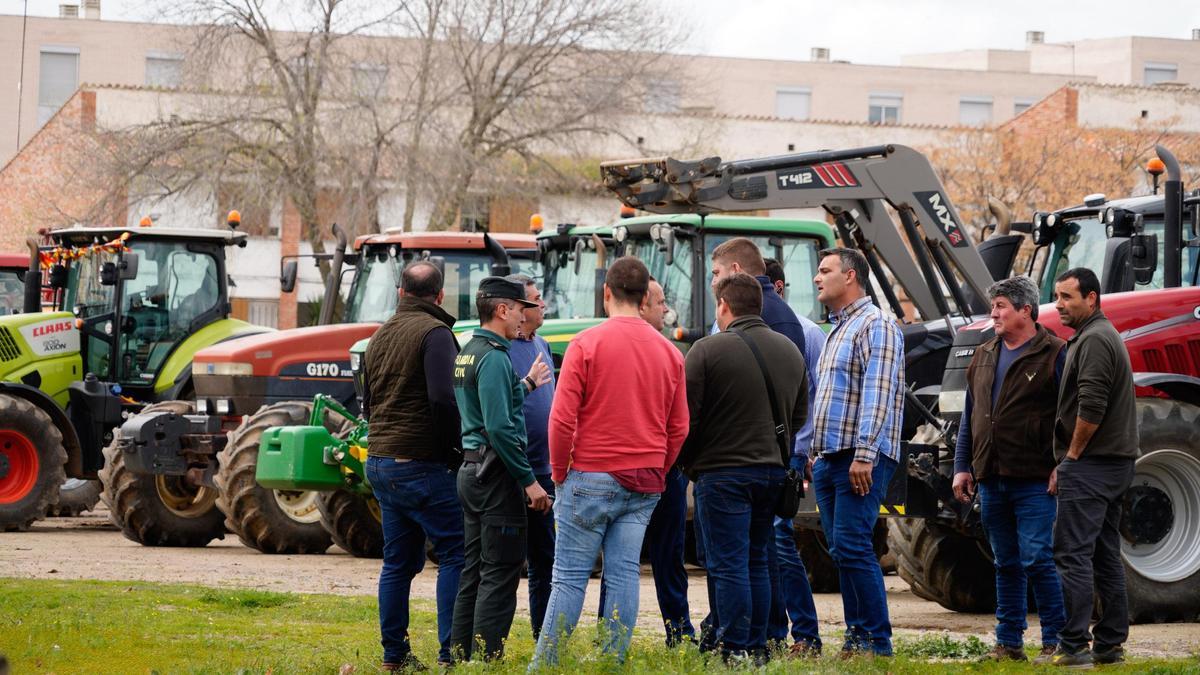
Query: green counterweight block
{"points": [[301, 458]]}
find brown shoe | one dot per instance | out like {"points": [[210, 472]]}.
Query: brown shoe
{"points": [[1045, 655], [803, 650], [1005, 653]]}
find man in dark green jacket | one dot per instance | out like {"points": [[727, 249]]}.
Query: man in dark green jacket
{"points": [[1096, 443], [495, 479]]}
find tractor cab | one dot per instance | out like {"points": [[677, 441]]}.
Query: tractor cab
{"points": [[12, 281], [137, 300]]}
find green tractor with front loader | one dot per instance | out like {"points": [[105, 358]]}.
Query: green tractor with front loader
{"points": [[130, 307]]}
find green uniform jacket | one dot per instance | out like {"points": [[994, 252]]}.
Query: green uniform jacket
{"points": [[490, 397]]}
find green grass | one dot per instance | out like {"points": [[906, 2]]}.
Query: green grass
{"points": [[124, 627]]}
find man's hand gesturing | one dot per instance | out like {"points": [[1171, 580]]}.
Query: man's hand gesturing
{"points": [[539, 373]]}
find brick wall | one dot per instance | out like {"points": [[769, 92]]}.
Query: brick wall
{"points": [[49, 183], [1058, 110]]}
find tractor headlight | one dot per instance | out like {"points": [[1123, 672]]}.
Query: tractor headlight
{"points": [[952, 402], [355, 362], [620, 233]]}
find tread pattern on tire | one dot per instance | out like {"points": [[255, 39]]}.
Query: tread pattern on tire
{"points": [[250, 510], [136, 508], [943, 566], [52, 458], [75, 502], [347, 518]]}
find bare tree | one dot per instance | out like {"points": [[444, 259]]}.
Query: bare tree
{"points": [[517, 80]]}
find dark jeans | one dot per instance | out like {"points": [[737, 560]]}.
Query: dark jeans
{"points": [[848, 521], [1087, 549], [1018, 517], [737, 507], [417, 500], [664, 547], [539, 554], [494, 527], [791, 594]]}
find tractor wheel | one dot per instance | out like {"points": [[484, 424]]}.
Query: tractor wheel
{"points": [[944, 566], [1160, 526], [272, 521], [354, 522], [822, 572], [32, 460], [158, 510], [75, 496]]}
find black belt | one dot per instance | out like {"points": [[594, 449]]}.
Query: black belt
{"points": [[472, 456]]}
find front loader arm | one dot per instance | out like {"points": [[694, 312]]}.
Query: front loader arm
{"points": [[852, 185]]}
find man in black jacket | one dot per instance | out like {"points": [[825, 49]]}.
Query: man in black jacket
{"points": [[1096, 443], [414, 435], [733, 453]]}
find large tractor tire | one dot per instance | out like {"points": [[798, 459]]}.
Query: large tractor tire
{"points": [[157, 510], [822, 572], [943, 566], [272, 521], [354, 521], [32, 460], [75, 496], [1160, 526]]}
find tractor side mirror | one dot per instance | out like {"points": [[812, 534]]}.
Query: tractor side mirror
{"points": [[287, 276], [108, 274], [1144, 257], [127, 266], [668, 246], [58, 275]]}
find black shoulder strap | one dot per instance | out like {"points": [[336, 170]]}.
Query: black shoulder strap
{"points": [[781, 435]]}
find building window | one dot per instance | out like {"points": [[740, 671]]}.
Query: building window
{"points": [[1020, 105], [884, 108], [662, 96], [792, 103], [975, 111], [164, 70], [58, 78], [1153, 73], [369, 80]]}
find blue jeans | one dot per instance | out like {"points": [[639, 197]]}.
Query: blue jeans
{"points": [[1018, 516], [539, 554], [791, 594], [594, 512], [737, 507], [664, 548], [417, 499], [849, 520]]}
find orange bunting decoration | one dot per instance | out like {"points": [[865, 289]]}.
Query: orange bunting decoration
{"points": [[60, 254]]}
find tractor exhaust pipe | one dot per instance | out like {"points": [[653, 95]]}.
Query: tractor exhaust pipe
{"points": [[33, 281], [1172, 219], [500, 264], [334, 283], [1003, 217]]}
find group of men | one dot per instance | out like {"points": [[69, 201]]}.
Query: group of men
{"points": [[555, 473], [1047, 445]]}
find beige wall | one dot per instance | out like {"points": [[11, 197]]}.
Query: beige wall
{"points": [[1175, 108]]}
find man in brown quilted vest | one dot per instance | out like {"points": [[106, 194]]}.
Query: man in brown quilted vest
{"points": [[1006, 449]]}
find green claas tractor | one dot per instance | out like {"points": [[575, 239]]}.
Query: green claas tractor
{"points": [[131, 307]]}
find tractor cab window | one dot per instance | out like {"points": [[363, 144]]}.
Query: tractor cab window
{"points": [[799, 258], [174, 290], [1081, 244], [464, 270], [677, 279], [373, 298], [92, 302], [12, 292], [569, 295], [1187, 263]]}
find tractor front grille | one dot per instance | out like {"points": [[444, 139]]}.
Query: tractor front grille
{"points": [[8, 346]]}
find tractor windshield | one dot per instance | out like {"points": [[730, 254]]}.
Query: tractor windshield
{"points": [[799, 258], [677, 279], [12, 291], [373, 298], [569, 295]]}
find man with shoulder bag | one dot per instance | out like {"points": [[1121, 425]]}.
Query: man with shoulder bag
{"points": [[747, 392]]}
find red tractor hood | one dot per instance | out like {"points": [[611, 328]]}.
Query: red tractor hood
{"points": [[269, 353]]}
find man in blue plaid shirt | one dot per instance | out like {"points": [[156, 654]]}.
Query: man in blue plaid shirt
{"points": [[856, 439]]}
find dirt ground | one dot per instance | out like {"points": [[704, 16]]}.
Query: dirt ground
{"points": [[88, 547]]}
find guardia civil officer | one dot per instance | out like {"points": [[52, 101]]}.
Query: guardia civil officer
{"points": [[495, 479]]}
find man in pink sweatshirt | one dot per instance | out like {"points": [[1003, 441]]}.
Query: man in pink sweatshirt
{"points": [[619, 418]]}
